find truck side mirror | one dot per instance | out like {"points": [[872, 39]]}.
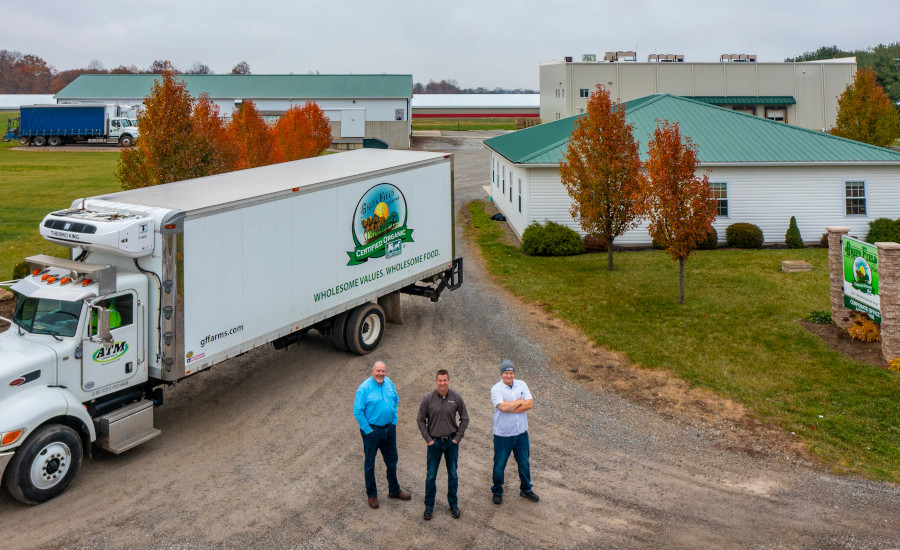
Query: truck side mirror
{"points": [[103, 336]]}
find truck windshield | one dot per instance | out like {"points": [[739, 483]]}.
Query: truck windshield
{"points": [[45, 316]]}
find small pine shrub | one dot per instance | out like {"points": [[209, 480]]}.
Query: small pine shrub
{"points": [[551, 239], [884, 230], [593, 244], [792, 238], [865, 329], [711, 242], [744, 235], [21, 270], [819, 317]]}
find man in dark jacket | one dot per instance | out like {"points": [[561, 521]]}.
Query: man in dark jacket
{"points": [[437, 422]]}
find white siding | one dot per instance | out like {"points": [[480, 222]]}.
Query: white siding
{"points": [[765, 196], [518, 221]]}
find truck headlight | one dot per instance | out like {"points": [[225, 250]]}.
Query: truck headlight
{"points": [[8, 438]]}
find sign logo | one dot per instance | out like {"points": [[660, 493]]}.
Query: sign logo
{"points": [[379, 224], [861, 278], [104, 355]]}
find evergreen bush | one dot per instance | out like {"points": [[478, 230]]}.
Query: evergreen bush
{"points": [[744, 235], [884, 230], [711, 242], [792, 237], [551, 239], [21, 270]]}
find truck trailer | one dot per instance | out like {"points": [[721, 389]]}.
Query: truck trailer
{"points": [[60, 124], [165, 282]]}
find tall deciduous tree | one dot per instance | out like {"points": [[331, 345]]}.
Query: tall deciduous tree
{"points": [[303, 132], [241, 68], [601, 170], [253, 138], [178, 140], [680, 206], [865, 112]]}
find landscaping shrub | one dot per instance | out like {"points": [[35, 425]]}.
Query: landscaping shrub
{"points": [[744, 235], [884, 230], [711, 242], [551, 239], [824, 240], [792, 238], [894, 365], [865, 329], [21, 270], [593, 244], [819, 317]]}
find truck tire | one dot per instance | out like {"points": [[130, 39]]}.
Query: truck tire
{"points": [[365, 327], [45, 465], [39, 141], [24, 140], [338, 325], [126, 141], [54, 141]]}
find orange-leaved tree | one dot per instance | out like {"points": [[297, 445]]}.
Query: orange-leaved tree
{"points": [[166, 150], [252, 137], [680, 204], [215, 149], [865, 112], [601, 170], [303, 132]]}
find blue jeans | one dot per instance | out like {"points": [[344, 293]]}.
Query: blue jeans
{"points": [[450, 451], [382, 439], [519, 447]]}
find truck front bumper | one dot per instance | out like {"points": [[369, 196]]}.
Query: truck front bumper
{"points": [[4, 460]]}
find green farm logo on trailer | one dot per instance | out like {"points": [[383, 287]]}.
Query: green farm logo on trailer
{"points": [[379, 224], [861, 278]]}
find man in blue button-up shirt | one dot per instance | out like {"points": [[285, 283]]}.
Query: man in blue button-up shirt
{"points": [[375, 409]]}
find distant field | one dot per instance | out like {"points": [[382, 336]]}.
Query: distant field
{"points": [[33, 183], [463, 124]]}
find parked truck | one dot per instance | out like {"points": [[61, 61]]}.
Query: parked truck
{"points": [[58, 124], [165, 282]]}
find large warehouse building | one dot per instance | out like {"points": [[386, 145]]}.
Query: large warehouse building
{"points": [[358, 106], [801, 94]]}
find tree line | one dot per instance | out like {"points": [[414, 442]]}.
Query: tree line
{"points": [[883, 59], [29, 74], [183, 137], [451, 87]]}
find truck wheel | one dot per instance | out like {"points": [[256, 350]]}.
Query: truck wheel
{"points": [[365, 327], [45, 465], [54, 141], [126, 141], [39, 141], [338, 326], [24, 140]]}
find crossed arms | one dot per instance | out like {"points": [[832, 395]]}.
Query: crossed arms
{"points": [[518, 406]]}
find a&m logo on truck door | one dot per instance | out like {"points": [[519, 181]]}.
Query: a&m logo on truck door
{"points": [[379, 224]]}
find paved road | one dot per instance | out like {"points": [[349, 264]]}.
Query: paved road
{"points": [[263, 452]]}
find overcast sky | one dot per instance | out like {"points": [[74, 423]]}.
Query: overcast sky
{"points": [[478, 43]]}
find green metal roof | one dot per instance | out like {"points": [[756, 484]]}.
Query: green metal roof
{"points": [[721, 136], [745, 99], [250, 86]]}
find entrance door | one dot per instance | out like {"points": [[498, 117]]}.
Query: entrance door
{"points": [[353, 123], [106, 369]]}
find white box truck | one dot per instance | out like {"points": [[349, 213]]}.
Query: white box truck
{"points": [[167, 281]]}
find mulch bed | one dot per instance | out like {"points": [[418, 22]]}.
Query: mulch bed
{"points": [[838, 340]]}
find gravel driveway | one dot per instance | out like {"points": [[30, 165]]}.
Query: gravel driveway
{"points": [[263, 452]]}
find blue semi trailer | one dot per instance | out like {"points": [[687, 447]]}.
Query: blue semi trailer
{"points": [[56, 125]]}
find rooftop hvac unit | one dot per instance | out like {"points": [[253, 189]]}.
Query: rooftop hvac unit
{"points": [[620, 56], [665, 58], [589, 57], [737, 58], [568, 59]]}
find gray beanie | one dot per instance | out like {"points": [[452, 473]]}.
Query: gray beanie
{"points": [[507, 365]]}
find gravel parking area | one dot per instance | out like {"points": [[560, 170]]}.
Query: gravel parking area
{"points": [[263, 450]]}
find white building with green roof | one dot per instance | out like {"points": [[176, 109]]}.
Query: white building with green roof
{"points": [[358, 105], [762, 172]]}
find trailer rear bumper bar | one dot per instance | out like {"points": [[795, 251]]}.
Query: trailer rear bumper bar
{"points": [[451, 279]]}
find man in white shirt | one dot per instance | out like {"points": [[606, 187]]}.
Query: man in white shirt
{"points": [[512, 401]]}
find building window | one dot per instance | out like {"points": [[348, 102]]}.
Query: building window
{"points": [[749, 109], [584, 92], [504, 180], [778, 114], [720, 193], [510, 186], [855, 198], [520, 195]]}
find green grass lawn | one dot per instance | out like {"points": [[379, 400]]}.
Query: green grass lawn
{"points": [[737, 334], [463, 124], [34, 183]]}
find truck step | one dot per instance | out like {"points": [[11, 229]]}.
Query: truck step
{"points": [[127, 427]]}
